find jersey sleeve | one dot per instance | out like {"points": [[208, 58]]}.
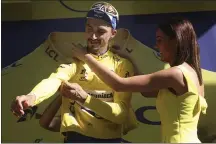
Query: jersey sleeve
{"points": [[116, 111], [48, 87]]}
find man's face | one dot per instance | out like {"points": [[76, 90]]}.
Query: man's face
{"points": [[98, 33]]}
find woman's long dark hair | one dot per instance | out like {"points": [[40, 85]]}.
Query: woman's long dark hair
{"points": [[187, 46]]}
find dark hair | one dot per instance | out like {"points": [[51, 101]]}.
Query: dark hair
{"points": [[187, 46]]}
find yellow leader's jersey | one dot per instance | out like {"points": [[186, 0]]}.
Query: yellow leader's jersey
{"points": [[104, 111]]}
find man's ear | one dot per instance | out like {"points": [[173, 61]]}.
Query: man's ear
{"points": [[114, 32]]}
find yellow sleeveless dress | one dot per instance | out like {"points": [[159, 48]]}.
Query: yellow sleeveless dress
{"points": [[180, 114]]}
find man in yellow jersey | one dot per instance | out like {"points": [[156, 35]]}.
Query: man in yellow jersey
{"points": [[100, 118]]}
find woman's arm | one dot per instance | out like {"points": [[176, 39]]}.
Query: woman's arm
{"points": [[137, 71], [123, 53], [48, 119], [168, 78]]}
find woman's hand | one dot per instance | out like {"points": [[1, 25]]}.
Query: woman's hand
{"points": [[119, 51], [79, 51]]}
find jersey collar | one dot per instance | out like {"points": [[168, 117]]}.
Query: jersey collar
{"points": [[100, 57]]}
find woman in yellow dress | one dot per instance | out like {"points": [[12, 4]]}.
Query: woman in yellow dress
{"points": [[179, 89]]}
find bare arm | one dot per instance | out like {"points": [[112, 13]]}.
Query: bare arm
{"points": [[48, 119], [115, 111], [137, 71], [142, 83], [123, 53]]}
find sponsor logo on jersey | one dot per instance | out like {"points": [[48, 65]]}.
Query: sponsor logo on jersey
{"points": [[127, 74], [85, 77], [116, 58], [101, 94], [65, 65]]}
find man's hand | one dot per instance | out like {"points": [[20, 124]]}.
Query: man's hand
{"points": [[21, 103], [73, 91]]}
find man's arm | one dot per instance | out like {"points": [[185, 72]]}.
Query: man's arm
{"points": [[48, 119], [49, 86], [113, 111], [44, 89], [116, 111]]}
